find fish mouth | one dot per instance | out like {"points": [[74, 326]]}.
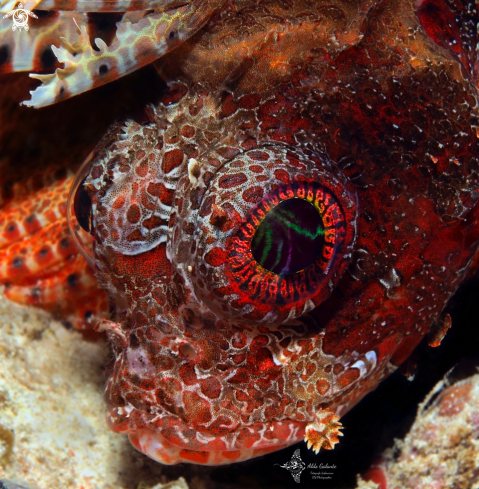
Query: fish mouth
{"points": [[243, 444]]}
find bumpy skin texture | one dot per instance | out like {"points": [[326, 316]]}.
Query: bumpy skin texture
{"points": [[366, 111]]}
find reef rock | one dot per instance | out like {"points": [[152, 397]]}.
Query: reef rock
{"points": [[442, 448], [53, 433]]}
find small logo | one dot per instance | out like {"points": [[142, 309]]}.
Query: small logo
{"points": [[20, 17], [295, 465]]}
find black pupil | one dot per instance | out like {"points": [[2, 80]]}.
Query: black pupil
{"points": [[290, 238], [82, 207]]}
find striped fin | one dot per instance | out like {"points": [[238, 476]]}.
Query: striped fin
{"points": [[136, 45]]}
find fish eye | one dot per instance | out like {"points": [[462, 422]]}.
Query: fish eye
{"points": [[290, 238], [80, 214], [272, 253]]}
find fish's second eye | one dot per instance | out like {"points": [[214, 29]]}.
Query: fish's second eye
{"points": [[82, 207], [80, 214]]}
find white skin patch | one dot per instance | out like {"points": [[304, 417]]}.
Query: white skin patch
{"points": [[277, 360], [392, 279], [139, 362], [361, 366], [193, 171], [371, 356]]}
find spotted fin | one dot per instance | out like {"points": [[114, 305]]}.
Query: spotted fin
{"points": [[136, 45], [39, 263], [25, 51]]}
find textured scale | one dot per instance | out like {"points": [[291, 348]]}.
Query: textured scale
{"points": [[363, 116]]}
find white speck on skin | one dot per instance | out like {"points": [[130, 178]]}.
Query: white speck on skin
{"points": [[193, 169]]}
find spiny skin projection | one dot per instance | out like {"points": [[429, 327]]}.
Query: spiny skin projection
{"points": [[222, 353], [138, 42], [33, 52], [97, 42]]}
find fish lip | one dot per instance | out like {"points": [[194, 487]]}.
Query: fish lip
{"points": [[167, 423], [162, 447]]}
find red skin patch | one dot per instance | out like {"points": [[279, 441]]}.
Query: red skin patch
{"points": [[216, 257], [197, 409], [348, 377], [210, 387], [172, 160], [153, 263], [196, 457], [232, 181], [253, 194], [176, 92], [232, 455], [133, 213], [241, 377], [229, 106], [377, 476]]}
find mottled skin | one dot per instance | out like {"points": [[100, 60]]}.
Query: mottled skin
{"points": [[217, 359]]}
